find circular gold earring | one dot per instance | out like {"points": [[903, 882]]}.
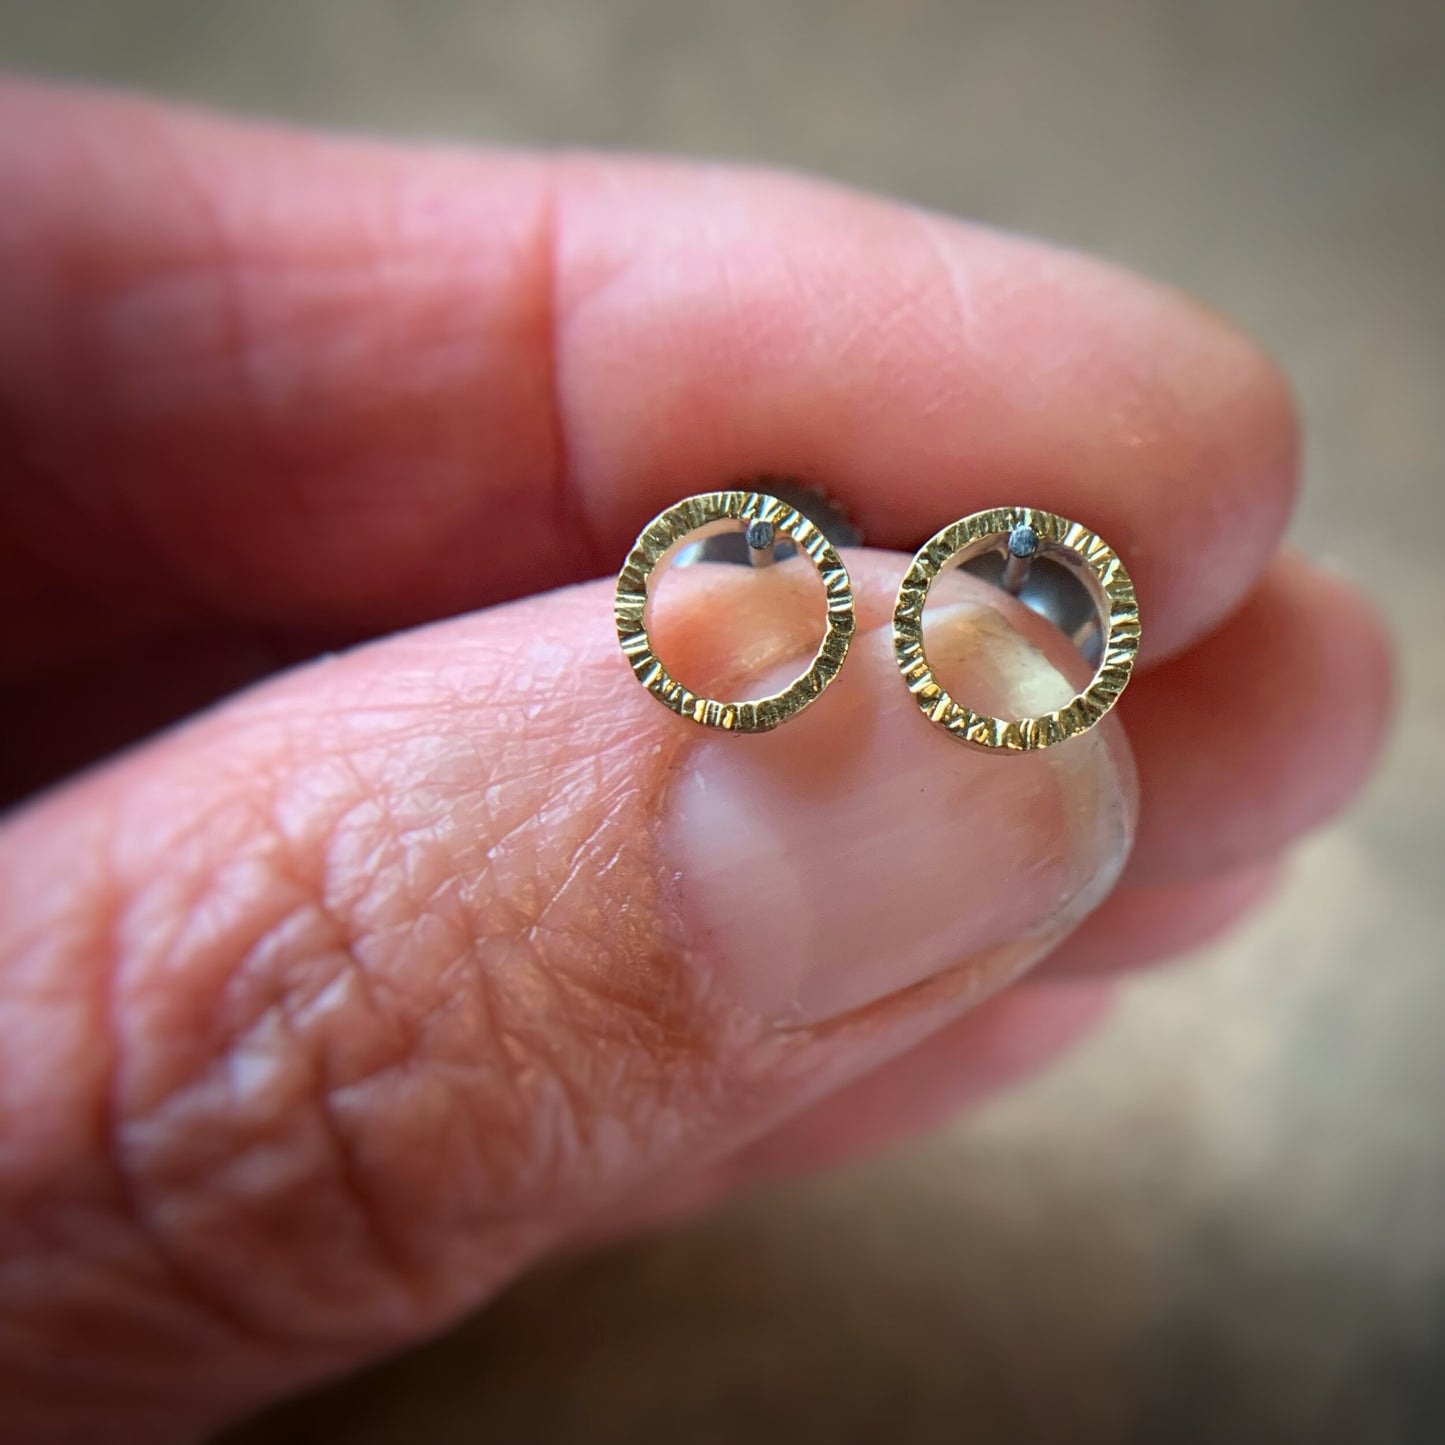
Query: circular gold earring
{"points": [[1022, 535], [764, 521]]}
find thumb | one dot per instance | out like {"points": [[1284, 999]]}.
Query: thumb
{"points": [[340, 1005]]}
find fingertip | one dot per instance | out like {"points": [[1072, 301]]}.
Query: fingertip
{"points": [[1264, 730], [1210, 425], [914, 362]]}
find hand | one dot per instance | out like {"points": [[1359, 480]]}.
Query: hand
{"points": [[328, 1012]]}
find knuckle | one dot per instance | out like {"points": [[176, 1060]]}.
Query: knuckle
{"points": [[383, 1022]]}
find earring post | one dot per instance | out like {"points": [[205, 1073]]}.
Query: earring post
{"points": [[762, 538], [1023, 543]]}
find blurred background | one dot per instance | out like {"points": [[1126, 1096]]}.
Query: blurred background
{"points": [[1224, 1218]]}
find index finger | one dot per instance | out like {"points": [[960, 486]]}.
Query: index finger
{"points": [[304, 382]]}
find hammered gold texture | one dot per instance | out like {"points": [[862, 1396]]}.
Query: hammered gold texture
{"points": [[1120, 614], [664, 533]]}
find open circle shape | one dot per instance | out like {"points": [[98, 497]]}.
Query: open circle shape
{"points": [[1090, 557], [710, 510]]}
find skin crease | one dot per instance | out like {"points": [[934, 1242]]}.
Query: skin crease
{"points": [[344, 1002]]}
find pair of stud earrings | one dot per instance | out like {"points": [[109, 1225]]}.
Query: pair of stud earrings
{"points": [[1020, 534]]}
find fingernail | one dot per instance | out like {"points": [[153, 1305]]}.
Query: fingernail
{"points": [[858, 850]]}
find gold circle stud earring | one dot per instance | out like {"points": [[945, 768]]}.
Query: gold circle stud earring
{"points": [[1021, 535], [764, 521]]}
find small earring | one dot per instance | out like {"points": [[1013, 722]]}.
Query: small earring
{"points": [[764, 521], [1022, 535]]}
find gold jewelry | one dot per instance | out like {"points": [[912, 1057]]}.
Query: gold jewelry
{"points": [[1023, 534], [764, 521]]}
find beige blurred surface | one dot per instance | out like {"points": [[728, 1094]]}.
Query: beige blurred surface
{"points": [[1224, 1219]]}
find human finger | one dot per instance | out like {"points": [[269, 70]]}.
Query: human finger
{"points": [[271, 379], [1263, 731], [348, 1000]]}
